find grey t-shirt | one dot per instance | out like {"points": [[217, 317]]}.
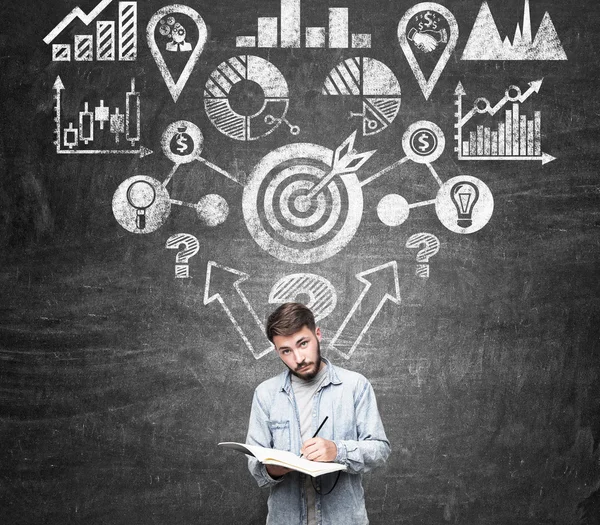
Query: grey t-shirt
{"points": [[304, 392]]}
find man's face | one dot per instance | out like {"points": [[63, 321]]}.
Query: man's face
{"points": [[300, 352]]}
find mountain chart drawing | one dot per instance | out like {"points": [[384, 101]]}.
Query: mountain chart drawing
{"points": [[485, 42]]}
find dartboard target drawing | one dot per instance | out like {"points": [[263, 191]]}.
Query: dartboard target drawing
{"points": [[246, 97], [288, 217]]}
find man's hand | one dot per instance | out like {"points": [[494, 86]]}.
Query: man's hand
{"points": [[319, 449], [275, 471]]}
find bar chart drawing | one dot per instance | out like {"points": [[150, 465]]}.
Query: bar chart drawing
{"points": [[114, 40], [515, 137], [286, 31]]}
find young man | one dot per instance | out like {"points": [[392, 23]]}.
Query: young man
{"points": [[288, 409]]}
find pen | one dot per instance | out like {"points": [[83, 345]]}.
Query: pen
{"points": [[318, 429]]}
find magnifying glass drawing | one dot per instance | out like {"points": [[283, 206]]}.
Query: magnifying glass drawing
{"points": [[141, 195]]}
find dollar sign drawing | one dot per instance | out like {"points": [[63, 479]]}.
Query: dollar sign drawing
{"points": [[425, 143], [181, 145]]}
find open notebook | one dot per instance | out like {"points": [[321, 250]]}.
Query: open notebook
{"points": [[282, 458]]}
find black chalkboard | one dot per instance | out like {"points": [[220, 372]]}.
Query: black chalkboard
{"points": [[123, 365]]}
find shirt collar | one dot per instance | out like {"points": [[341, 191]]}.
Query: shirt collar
{"points": [[332, 377]]}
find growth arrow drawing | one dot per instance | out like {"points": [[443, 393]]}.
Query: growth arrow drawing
{"points": [[381, 285], [516, 138], [236, 305]]}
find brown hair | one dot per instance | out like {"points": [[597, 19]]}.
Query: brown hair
{"points": [[288, 319]]}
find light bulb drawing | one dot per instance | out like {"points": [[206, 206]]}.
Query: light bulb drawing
{"points": [[455, 204], [464, 195], [141, 195]]}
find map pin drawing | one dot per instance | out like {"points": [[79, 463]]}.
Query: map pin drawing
{"points": [[171, 28], [428, 28]]}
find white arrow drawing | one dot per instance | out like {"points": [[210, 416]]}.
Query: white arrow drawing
{"points": [[515, 138], [237, 307], [361, 316]]}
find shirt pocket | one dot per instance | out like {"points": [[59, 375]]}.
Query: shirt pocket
{"points": [[280, 434]]}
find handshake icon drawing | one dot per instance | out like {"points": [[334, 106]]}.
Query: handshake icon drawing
{"points": [[427, 40]]}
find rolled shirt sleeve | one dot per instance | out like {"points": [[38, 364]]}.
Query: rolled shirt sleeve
{"points": [[259, 434], [372, 447]]}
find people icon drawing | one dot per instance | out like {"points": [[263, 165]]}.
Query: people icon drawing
{"points": [[169, 27]]}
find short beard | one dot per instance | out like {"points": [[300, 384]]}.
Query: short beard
{"points": [[309, 376]]}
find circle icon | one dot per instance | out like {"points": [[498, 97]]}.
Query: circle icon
{"points": [[393, 210], [182, 142], [464, 204], [141, 204], [423, 142], [284, 221], [212, 209], [242, 93]]}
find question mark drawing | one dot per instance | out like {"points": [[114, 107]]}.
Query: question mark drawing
{"points": [[192, 246], [429, 245]]}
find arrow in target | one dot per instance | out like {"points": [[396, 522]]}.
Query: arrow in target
{"points": [[226, 289], [383, 285], [345, 160]]}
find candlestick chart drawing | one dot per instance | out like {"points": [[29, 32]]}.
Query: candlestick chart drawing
{"points": [[118, 126]]}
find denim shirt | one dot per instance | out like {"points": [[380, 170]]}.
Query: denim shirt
{"points": [[354, 425]]}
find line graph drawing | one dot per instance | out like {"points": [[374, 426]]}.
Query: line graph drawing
{"points": [[515, 136], [108, 33]]}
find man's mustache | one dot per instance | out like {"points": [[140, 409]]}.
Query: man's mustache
{"points": [[302, 365]]}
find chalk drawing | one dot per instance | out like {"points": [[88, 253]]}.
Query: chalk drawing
{"points": [[182, 142], [141, 204], [381, 284], [290, 34], [423, 142], [191, 248], [223, 284], [419, 368], [321, 293], [464, 204], [303, 202], [376, 86], [515, 136], [123, 129], [259, 114], [431, 31], [166, 18], [484, 42], [108, 32], [428, 245]]}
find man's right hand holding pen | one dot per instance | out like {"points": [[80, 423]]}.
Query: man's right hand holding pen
{"points": [[314, 449]]}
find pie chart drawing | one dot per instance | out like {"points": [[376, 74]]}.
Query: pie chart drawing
{"points": [[266, 106], [375, 84]]}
